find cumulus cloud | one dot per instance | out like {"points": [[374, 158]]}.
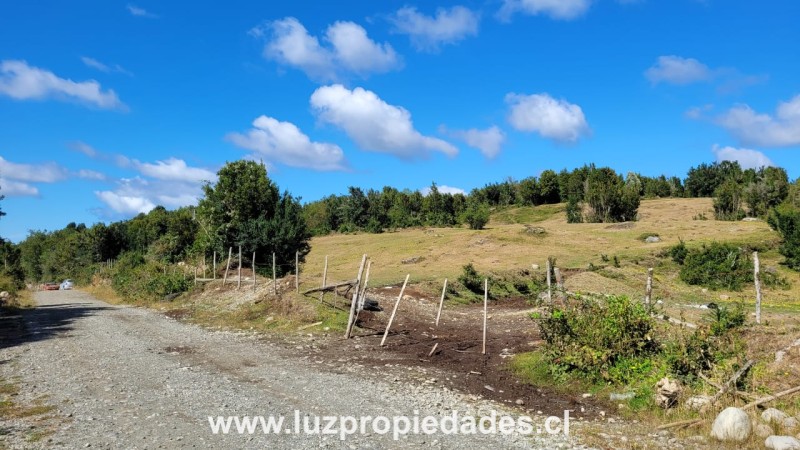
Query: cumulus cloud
{"points": [[140, 12], [283, 142], [748, 159], [488, 141], [442, 189], [174, 169], [84, 148], [554, 119], [779, 130], [95, 64], [349, 49], [20, 81], [136, 195], [36, 173], [556, 9], [374, 124], [12, 188], [678, 70], [429, 33]]}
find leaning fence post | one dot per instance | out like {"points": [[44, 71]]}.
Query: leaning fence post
{"points": [[757, 281], [559, 282], [648, 292], [354, 303], [324, 279], [441, 302], [227, 266], [394, 311]]}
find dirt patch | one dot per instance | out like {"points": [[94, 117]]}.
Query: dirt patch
{"points": [[458, 361], [178, 314], [179, 350]]}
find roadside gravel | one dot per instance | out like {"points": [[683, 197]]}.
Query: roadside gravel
{"points": [[125, 377]]}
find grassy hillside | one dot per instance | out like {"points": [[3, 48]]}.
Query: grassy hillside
{"points": [[519, 237]]}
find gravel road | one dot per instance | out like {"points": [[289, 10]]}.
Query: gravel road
{"points": [[126, 377]]}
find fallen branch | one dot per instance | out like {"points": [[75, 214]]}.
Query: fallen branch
{"points": [[745, 395], [433, 349], [725, 387], [770, 398], [331, 287], [682, 423], [309, 326]]}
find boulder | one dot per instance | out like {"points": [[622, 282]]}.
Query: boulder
{"points": [[782, 443], [790, 423], [667, 392], [652, 239], [732, 424], [699, 403], [773, 415]]}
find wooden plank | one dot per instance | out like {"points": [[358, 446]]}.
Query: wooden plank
{"points": [[239, 283], [757, 281], [227, 266], [441, 302], [324, 280], [354, 303], [485, 310]]}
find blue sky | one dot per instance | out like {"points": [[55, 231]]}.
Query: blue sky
{"points": [[109, 108]]}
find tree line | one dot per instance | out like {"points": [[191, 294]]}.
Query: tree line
{"points": [[245, 207]]}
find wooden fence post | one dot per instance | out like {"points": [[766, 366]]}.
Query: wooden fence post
{"points": [[485, 310], [559, 282], [227, 266], [648, 292], [274, 279], [549, 288], [394, 311], [354, 303], [214, 276], [362, 296], [254, 271], [297, 272], [757, 281], [239, 283], [324, 279], [441, 302]]}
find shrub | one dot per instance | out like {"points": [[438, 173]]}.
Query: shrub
{"points": [[785, 219], [678, 252], [471, 279], [717, 266], [602, 339], [136, 279], [728, 201], [477, 216]]}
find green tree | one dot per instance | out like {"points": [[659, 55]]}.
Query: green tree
{"points": [[609, 198], [728, 201], [476, 215], [785, 219]]}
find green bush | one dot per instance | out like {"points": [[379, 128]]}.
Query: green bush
{"points": [[607, 340], [136, 279], [717, 266], [785, 219], [678, 252], [476, 215], [471, 279]]}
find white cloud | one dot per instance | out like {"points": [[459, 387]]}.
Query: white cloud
{"points": [[140, 12], [95, 64], [350, 50], [488, 141], [698, 112], [138, 195], [448, 26], [558, 120], [752, 128], [443, 189], [87, 174], [20, 81], [556, 9], [283, 142], [84, 148], [678, 70], [748, 159], [174, 169], [17, 189], [34, 173], [374, 124]]}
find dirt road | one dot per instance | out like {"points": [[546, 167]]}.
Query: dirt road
{"points": [[125, 377]]}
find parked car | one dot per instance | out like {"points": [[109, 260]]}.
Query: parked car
{"points": [[66, 285], [50, 286]]}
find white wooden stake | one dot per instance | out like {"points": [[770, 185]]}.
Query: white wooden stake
{"points": [[394, 311], [297, 272], [239, 283], [354, 303], [757, 281], [441, 302], [274, 279], [227, 266], [254, 271], [549, 286], [363, 295], [324, 279], [485, 310], [215, 265], [648, 292]]}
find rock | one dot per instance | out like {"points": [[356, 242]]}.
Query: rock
{"points": [[586, 395], [698, 403], [4, 294], [625, 396], [790, 423], [704, 290], [519, 402], [535, 266], [412, 260], [652, 239], [773, 415], [763, 430], [667, 392], [750, 219], [782, 443], [779, 355], [732, 424]]}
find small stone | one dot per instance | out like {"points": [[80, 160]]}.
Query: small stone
{"points": [[698, 403], [519, 402], [587, 395], [790, 423], [773, 415], [763, 430]]}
